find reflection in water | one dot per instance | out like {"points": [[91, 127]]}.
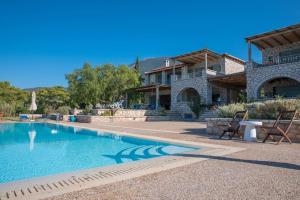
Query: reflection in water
{"points": [[32, 135], [100, 133], [54, 131], [77, 129], [117, 137], [132, 153]]}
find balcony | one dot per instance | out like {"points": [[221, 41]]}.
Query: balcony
{"points": [[189, 75], [279, 60]]}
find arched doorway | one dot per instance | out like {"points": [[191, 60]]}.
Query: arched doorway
{"points": [[281, 86], [188, 95]]}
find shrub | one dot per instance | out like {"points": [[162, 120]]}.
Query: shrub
{"points": [[107, 113], [228, 111], [64, 110], [88, 110], [270, 109], [261, 110], [46, 110]]}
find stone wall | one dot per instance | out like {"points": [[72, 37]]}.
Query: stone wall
{"points": [[215, 126], [257, 76], [135, 113], [128, 112], [233, 66], [109, 119], [84, 118]]}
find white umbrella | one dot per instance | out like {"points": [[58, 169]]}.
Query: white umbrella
{"points": [[33, 106]]}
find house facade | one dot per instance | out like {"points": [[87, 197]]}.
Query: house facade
{"points": [[201, 73], [223, 79]]}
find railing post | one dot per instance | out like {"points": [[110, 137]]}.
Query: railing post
{"points": [[249, 52], [205, 59]]}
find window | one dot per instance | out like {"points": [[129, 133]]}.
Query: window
{"points": [[216, 67]]}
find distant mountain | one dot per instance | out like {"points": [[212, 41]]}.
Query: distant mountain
{"points": [[38, 88], [34, 89], [148, 64], [151, 63]]}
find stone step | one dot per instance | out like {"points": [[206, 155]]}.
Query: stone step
{"points": [[208, 114]]}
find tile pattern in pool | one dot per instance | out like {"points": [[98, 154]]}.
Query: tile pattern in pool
{"points": [[39, 149]]}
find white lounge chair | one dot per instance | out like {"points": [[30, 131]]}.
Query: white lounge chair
{"points": [[117, 105]]}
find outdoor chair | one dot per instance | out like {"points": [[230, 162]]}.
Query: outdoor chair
{"points": [[234, 125], [280, 129]]}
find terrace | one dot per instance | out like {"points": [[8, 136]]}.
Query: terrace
{"points": [[251, 170]]}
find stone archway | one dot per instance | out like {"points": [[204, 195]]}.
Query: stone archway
{"points": [[256, 77], [278, 86], [185, 97]]}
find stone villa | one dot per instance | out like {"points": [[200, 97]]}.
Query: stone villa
{"points": [[222, 78]]}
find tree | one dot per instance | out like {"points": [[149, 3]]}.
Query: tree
{"points": [[12, 100], [50, 99], [137, 65], [9, 93], [84, 86], [104, 83]]}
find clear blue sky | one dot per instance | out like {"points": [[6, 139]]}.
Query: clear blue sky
{"points": [[42, 40]]}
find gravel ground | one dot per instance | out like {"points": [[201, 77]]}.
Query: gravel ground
{"points": [[262, 171]]}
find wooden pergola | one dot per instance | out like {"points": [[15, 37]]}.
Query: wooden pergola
{"points": [[234, 81], [161, 69], [203, 55], [151, 87], [197, 56], [279, 37]]}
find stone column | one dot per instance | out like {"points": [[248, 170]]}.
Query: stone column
{"points": [[163, 77], [173, 71], [157, 97], [249, 52], [205, 61], [184, 72]]}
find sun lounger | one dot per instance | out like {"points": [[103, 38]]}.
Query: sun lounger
{"points": [[24, 117]]}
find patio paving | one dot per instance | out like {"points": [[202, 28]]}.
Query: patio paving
{"points": [[262, 171]]}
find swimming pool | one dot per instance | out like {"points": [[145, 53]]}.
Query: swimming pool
{"points": [[38, 149]]}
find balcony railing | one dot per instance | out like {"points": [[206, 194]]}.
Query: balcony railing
{"points": [[279, 60], [189, 75]]}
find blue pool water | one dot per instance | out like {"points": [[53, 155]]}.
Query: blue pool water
{"points": [[38, 149]]}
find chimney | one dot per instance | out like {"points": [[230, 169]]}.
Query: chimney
{"points": [[167, 62]]}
